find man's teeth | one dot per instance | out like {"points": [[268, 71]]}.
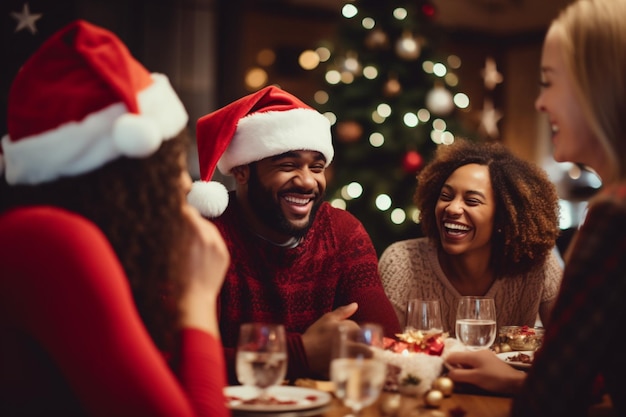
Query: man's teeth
{"points": [[296, 200], [456, 226]]}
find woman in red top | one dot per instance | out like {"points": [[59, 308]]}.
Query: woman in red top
{"points": [[109, 280]]}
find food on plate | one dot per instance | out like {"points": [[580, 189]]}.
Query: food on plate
{"points": [[520, 357], [269, 401], [518, 338]]}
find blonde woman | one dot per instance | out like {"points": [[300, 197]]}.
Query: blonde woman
{"points": [[583, 93]]}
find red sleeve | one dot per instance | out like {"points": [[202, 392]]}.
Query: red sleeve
{"points": [[63, 285], [203, 372]]}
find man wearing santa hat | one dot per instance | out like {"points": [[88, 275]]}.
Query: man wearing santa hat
{"points": [[296, 260]]}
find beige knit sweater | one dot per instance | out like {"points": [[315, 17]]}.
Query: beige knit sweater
{"points": [[410, 269]]}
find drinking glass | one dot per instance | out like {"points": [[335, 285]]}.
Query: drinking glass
{"points": [[261, 356], [357, 375], [424, 316], [476, 322]]}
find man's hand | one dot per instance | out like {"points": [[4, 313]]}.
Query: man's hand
{"points": [[318, 338]]}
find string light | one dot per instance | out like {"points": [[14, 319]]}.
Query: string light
{"points": [[383, 202], [349, 11]]}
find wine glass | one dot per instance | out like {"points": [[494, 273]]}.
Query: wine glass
{"points": [[476, 322], [357, 375], [424, 316], [261, 357]]}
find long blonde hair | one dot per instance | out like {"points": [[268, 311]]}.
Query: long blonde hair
{"points": [[594, 38]]}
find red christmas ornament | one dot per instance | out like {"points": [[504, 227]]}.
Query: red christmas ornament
{"points": [[428, 9], [412, 162]]}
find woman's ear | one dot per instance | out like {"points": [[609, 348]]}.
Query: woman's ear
{"points": [[241, 173]]}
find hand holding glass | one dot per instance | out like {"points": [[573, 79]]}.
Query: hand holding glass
{"points": [[357, 375], [261, 356], [424, 316], [476, 322]]}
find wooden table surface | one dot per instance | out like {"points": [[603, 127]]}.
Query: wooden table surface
{"points": [[459, 404], [462, 403], [395, 405]]}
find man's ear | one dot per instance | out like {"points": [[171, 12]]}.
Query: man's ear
{"points": [[241, 173]]}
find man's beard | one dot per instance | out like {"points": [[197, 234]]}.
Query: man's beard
{"points": [[270, 212]]}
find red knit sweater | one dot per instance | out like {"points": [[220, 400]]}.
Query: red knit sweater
{"points": [[335, 264], [71, 340]]}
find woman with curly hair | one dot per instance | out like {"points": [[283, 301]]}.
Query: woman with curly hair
{"points": [[109, 278], [490, 223]]}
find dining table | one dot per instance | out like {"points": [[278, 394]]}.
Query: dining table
{"points": [[461, 402]]}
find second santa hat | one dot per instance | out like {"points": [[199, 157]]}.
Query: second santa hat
{"points": [[80, 101], [263, 124]]}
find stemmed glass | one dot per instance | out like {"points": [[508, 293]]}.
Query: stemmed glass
{"points": [[476, 322], [357, 375], [424, 316], [261, 357]]}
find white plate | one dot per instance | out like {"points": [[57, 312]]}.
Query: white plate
{"points": [[519, 365], [295, 398]]}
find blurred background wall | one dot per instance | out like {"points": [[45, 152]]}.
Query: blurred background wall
{"points": [[215, 51]]}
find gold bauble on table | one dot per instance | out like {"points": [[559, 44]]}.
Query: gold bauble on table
{"points": [[445, 385], [433, 398], [391, 404]]}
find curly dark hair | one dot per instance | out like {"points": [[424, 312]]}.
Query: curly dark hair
{"points": [[527, 207], [137, 204]]}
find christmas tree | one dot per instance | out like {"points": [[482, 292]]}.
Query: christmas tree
{"points": [[395, 97]]}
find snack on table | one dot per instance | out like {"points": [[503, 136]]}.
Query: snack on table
{"points": [[520, 357], [414, 360], [518, 338]]}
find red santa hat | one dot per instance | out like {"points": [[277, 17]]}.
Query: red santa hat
{"points": [[263, 124], [80, 101]]}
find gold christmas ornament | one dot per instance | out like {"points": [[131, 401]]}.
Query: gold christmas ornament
{"points": [[408, 47], [433, 398], [490, 74], [392, 87], [439, 101], [377, 39], [445, 385], [391, 404], [351, 63], [349, 131]]}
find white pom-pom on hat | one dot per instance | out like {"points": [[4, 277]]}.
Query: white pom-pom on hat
{"points": [[135, 136], [209, 197]]}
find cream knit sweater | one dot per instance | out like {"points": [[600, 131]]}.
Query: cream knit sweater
{"points": [[410, 269]]}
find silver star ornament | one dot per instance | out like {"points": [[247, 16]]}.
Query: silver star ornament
{"points": [[26, 20]]}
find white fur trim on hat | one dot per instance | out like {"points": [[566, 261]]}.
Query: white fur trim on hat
{"points": [[79, 147], [135, 136], [264, 134], [209, 197]]}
